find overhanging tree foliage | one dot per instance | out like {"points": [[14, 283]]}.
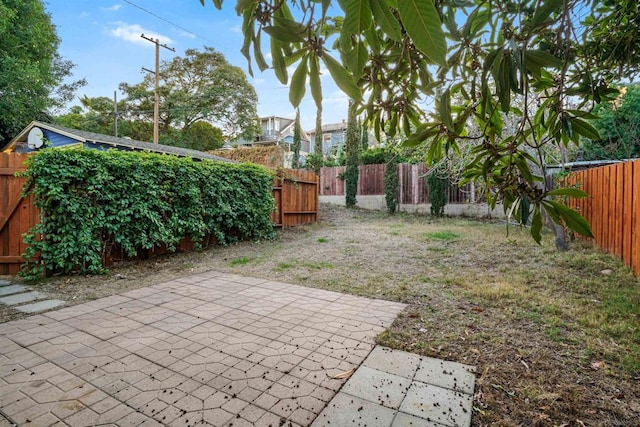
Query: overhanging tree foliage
{"points": [[31, 70], [389, 55]]}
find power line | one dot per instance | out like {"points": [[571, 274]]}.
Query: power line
{"points": [[169, 22]]}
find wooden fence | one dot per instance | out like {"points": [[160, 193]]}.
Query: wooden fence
{"points": [[612, 208], [17, 214], [413, 188], [295, 193]]}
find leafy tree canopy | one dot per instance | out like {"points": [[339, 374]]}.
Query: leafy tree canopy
{"points": [[618, 123], [31, 71], [200, 86], [390, 56]]}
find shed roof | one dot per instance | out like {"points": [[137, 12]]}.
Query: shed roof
{"points": [[93, 137]]}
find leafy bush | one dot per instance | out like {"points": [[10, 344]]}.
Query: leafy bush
{"points": [[92, 200]]}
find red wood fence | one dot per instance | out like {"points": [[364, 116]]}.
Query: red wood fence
{"points": [[295, 193], [413, 188], [17, 214], [612, 208]]}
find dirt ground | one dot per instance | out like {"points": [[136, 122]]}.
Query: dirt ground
{"points": [[536, 323]]}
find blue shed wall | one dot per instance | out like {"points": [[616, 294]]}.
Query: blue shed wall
{"points": [[58, 140]]}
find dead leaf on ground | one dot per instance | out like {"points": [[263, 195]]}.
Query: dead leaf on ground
{"points": [[597, 365], [345, 374]]}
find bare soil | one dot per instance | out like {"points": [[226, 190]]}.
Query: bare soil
{"points": [[540, 326]]}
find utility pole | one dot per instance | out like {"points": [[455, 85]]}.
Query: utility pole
{"points": [[156, 107], [115, 114]]}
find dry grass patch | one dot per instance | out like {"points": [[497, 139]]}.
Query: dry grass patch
{"points": [[556, 342]]}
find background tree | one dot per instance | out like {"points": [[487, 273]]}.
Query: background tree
{"points": [[365, 136], [295, 160], [389, 55], [31, 70], [201, 86], [352, 148], [618, 123]]}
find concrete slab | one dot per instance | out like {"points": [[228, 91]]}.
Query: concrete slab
{"points": [[345, 410], [11, 289], [4, 282], [451, 375], [437, 404], [22, 298], [406, 420], [394, 362], [39, 306], [377, 387]]}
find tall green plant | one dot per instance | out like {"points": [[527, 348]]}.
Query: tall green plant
{"points": [[391, 184], [295, 160], [92, 200], [352, 158], [438, 185]]}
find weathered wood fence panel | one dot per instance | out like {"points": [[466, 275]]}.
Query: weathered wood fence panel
{"points": [[295, 193], [413, 188], [17, 214], [331, 183], [612, 208]]}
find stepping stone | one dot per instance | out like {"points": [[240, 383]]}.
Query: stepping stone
{"points": [[4, 282], [22, 298], [433, 403], [39, 306], [11, 289]]}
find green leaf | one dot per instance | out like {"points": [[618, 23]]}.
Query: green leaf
{"points": [[283, 34], [422, 23], [357, 16], [341, 76], [298, 80], [243, 5], [257, 53], [536, 225], [356, 60], [278, 63], [444, 110], [539, 58], [545, 10], [571, 192], [314, 81], [385, 19], [571, 218], [584, 128]]}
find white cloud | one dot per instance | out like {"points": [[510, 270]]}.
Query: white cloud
{"points": [[114, 8], [236, 29], [84, 14], [132, 32], [182, 33], [336, 97]]}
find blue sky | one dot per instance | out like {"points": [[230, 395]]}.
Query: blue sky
{"points": [[102, 37]]}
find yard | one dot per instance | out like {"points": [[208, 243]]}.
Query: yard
{"points": [[555, 336]]}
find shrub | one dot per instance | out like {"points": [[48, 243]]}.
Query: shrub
{"points": [[438, 184], [92, 200], [391, 184]]}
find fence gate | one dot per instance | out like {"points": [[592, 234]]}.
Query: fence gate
{"points": [[17, 214]]}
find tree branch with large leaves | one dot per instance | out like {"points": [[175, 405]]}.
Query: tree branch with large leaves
{"points": [[398, 60]]}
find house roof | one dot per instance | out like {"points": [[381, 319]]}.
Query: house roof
{"points": [[93, 137], [330, 127]]}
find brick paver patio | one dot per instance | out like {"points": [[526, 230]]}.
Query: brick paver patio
{"points": [[213, 349]]}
